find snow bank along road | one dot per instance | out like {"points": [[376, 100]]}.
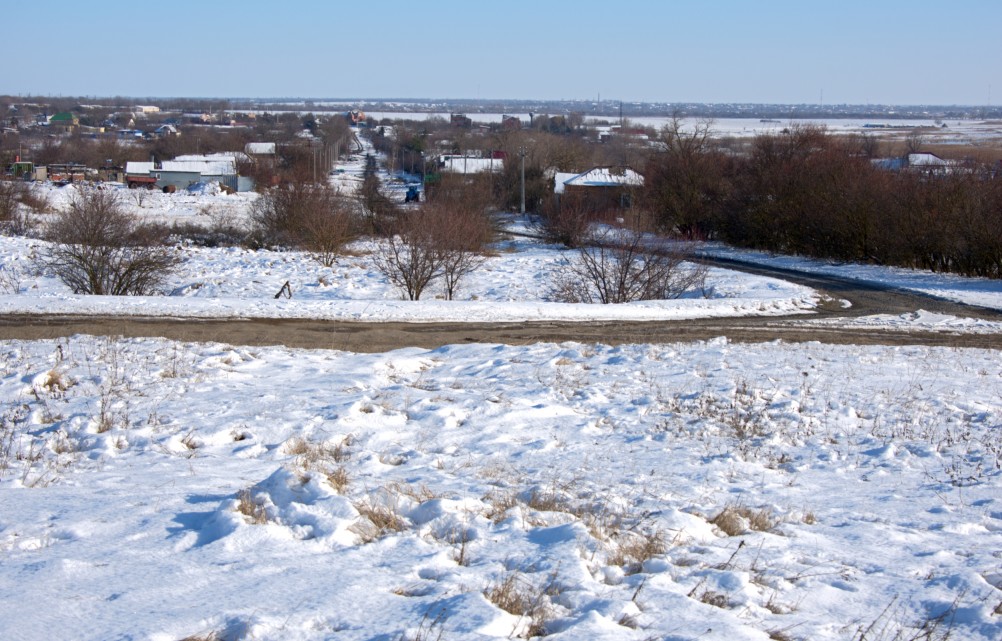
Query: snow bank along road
{"points": [[865, 299]]}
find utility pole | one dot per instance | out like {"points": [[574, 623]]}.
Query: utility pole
{"points": [[521, 153]]}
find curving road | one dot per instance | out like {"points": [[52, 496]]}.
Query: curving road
{"points": [[866, 300]]}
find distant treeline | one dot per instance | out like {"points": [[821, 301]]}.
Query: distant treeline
{"points": [[811, 193]]}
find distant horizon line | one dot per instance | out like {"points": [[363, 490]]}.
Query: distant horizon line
{"points": [[428, 100]]}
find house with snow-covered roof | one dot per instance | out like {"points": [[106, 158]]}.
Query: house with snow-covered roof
{"points": [[163, 131], [185, 171], [929, 163], [599, 187]]}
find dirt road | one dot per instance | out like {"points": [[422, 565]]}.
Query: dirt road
{"points": [[379, 337]]}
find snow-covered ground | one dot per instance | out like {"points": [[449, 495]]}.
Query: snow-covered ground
{"points": [[156, 490], [512, 286], [933, 129], [159, 490]]}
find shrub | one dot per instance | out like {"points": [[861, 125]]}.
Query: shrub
{"points": [[435, 241], [15, 197], [411, 259], [315, 217], [97, 248], [621, 266]]}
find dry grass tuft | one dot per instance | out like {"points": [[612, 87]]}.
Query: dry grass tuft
{"points": [[312, 454], [376, 522], [431, 629], [323, 458], [628, 621], [189, 441], [338, 479], [633, 548], [517, 596], [419, 494], [460, 539], [498, 505], [735, 520], [254, 514], [716, 599], [547, 502]]}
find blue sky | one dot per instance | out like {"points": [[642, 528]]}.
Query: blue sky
{"points": [[838, 51]]}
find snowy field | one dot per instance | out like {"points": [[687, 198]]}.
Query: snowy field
{"points": [[955, 131], [512, 286], [160, 490]]}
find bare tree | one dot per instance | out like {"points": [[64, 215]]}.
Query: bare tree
{"points": [[461, 236], [622, 266], [686, 179], [98, 248], [325, 231], [914, 142], [315, 217], [412, 257]]}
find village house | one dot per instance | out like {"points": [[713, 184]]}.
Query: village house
{"points": [[186, 171], [600, 187]]}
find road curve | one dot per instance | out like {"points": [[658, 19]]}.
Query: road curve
{"points": [[865, 299]]}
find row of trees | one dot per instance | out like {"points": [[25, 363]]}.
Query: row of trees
{"points": [[812, 193]]}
